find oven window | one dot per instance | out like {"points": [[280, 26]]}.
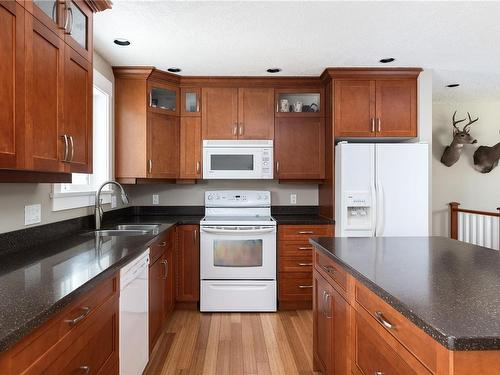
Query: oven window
{"points": [[238, 253], [231, 162]]}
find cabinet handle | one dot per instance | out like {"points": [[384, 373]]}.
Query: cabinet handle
{"points": [[198, 167], [329, 269], [68, 26], [54, 18], [235, 129], [241, 129], [150, 166], [383, 321], [197, 103], [306, 232], [163, 244], [305, 286], [277, 167], [195, 237], [66, 147], [78, 319], [305, 264], [150, 98], [66, 21], [328, 313], [277, 107], [373, 125], [165, 268], [379, 127], [72, 144], [379, 373], [306, 248], [85, 370]]}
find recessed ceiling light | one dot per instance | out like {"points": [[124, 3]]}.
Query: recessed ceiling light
{"points": [[121, 42], [174, 70], [273, 70], [451, 85], [387, 60]]}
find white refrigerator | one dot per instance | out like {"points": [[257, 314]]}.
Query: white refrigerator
{"points": [[381, 189]]}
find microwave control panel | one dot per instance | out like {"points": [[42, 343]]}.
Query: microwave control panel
{"points": [[267, 163]]}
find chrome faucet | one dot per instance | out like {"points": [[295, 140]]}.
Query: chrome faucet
{"points": [[98, 202]]}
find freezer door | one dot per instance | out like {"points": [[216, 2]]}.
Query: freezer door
{"points": [[354, 176], [402, 187]]}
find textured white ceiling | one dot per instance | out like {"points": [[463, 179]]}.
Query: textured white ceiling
{"points": [[459, 41]]}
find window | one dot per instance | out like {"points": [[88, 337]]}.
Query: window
{"points": [[81, 192]]}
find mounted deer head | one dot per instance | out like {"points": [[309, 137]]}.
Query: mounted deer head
{"points": [[486, 158], [462, 137]]}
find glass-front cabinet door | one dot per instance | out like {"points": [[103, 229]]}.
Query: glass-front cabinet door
{"points": [[49, 12], [299, 102], [162, 98], [190, 101], [78, 27]]}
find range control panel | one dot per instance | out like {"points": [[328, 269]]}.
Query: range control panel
{"points": [[232, 198]]}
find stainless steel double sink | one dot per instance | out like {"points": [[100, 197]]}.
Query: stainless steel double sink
{"points": [[127, 230]]}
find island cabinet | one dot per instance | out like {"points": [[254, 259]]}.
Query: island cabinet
{"points": [[295, 264], [357, 332], [187, 259], [81, 338], [147, 125], [237, 113], [161, 284]]}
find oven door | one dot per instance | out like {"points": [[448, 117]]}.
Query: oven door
{"points": [[236, 163], [238, 252]]}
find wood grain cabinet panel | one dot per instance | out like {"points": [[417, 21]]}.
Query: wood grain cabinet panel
{"points": [[12, 85], [79, 27], [190, 148], [255, 113], [188, 263], [163, 146], [220, 113], [157, 273], [299, 148]]}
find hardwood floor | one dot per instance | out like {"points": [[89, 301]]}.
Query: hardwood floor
{"points": [[233, 343]]}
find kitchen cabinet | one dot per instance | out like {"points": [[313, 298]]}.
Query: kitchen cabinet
{"points": [[50, 13], [190, 101], [163, 98], [12, 124], [237, 113], [78, 27], [82, 335], [323, 325], [299, 102], [190, 148], [299, 148], [375, 106], [163, 146], [188, 265]]}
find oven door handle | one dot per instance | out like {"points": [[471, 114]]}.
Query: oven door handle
{"points": [[237, 231]]}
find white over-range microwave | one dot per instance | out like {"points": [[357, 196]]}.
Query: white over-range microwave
{"points": [[245, 159]]}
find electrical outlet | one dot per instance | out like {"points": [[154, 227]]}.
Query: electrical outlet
{"points": [[32, 214], [156, 199], [113, 201], [293, 198]]}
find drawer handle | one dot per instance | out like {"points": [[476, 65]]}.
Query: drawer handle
{"points": [[383, 321], [78, 319], [329, 269], [306, 248], [328, 313], [305, 264], [85, 370], [306, 232], [165, 268], [163, 244], [379, 373], [305, 286]]}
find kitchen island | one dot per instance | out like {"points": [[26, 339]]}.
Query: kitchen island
{"points": [[426, 305]]}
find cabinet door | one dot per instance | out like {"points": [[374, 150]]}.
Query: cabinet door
{"points": [[219, 118], [323, 325], [156, 300], [45, 145], [49, 12], [396, 108], [163, 146], [188, 263], [163, 98], [354, 108], [170, 281], [190, 163], [78, 111], [78, 27], [190, 101], [300, 148], [255, 113], [340, 319], [12, 84]]}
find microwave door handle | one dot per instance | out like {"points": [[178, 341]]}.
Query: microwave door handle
{"points": [[237, 231]]}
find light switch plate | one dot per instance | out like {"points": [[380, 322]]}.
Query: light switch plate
{"points": [[293, 198], [32, 214], [113, 201], [156, 199]]}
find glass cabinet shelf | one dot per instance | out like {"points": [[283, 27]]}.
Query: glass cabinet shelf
{"points": [[298, 102], [163, 98]]}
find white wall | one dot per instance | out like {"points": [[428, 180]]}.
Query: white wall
{"points": [[461, 182]]}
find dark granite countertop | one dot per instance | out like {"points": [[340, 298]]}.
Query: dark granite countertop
{"points": [[301, 220], [450, 289]]}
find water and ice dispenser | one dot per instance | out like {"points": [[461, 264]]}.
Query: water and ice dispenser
{"points": [[359, 210]]}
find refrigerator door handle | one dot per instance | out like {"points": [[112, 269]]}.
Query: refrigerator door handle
{"points": [[380, 209], [373, 225]]}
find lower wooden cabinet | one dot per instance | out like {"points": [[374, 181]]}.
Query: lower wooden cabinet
{"points": [[188, 264], [62, 347]]}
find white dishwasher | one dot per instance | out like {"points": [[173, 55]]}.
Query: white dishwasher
{"points": [[134, 308]]}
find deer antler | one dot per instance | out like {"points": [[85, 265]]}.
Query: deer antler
{"points": [[471, 121], [456, 122]]}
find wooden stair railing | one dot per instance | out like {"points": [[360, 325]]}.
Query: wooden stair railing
{"points": [[454, 210]]}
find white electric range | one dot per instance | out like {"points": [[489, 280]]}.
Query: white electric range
{"points": [[238, 252]]}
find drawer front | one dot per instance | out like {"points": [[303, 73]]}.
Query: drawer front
{"points": [[413, 338], [160, 245], [303, 232], [331, 270], [295, 286], [63, 325], [295, 249], [296, 264], [373, 355]]}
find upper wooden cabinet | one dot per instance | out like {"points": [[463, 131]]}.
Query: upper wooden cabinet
{"points": [[299, 102], [191, 101], [190, 148], [375, 103], [237, 113], [146, 125], [299, 148]]}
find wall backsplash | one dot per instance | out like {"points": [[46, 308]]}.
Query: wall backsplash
{"points": [[193, 195]]}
